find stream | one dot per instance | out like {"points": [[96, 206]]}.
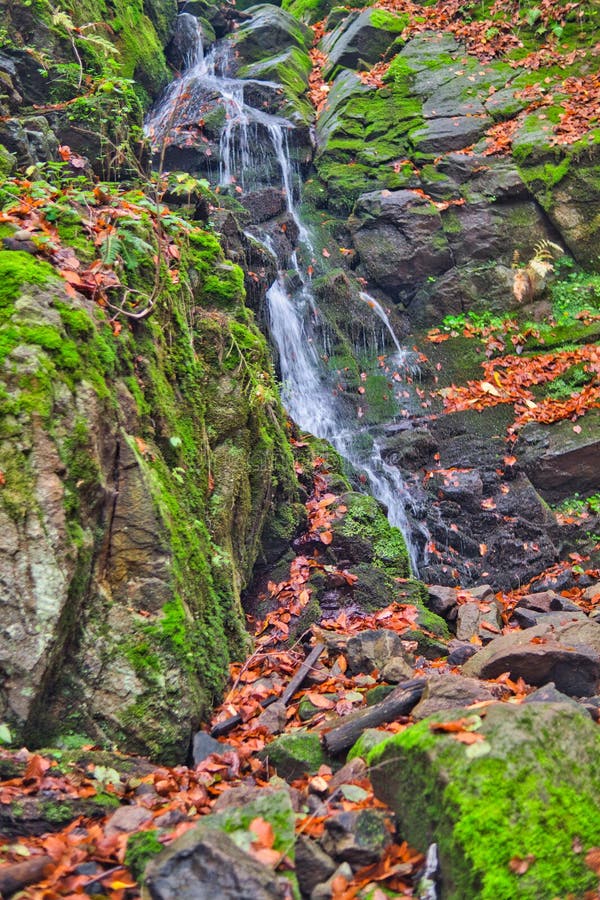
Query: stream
{"points": [[254, 152]]}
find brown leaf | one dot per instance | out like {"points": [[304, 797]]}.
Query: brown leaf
{"points": [[265, 836], [520, 865], [592, 860]]}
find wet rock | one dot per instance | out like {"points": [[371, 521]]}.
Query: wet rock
{"points": [[191, 867], [465, 797], [474, 616], [451, 691], [313, 865], [357, 837], [400, 240], [269, 31], [564, 654], [295, 754], [264, 204], [370, 650], [410, 448], [559, 461]]}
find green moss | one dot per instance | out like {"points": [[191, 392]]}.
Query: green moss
{"points": [[141, 848], [502, 802], [295, 754], [365, 518], [18, 268], [57, 813]]}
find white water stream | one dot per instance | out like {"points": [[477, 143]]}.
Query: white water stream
{"points": [[307, 388]]}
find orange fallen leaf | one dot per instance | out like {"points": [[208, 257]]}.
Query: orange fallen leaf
{"points": [[468, 737]]}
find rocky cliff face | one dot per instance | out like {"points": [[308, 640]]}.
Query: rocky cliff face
{"points": [[145, 464]]}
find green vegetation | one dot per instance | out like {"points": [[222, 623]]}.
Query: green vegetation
{"points": [[141, 848], [498, 799]]}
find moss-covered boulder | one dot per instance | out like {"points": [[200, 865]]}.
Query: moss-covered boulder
{"points": [[361, 38], [508, 811], [138, 472], [295, 754], [364, 535], [269, 30]]}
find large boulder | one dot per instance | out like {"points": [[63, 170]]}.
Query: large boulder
{"points": [[565, 650], [510, 800], [269, 30], [400, 240], [361, 38]]}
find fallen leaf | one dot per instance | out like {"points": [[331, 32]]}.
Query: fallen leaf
{"points": [[520, 865]]}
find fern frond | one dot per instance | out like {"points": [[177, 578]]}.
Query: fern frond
{"points": [[547, 250]]}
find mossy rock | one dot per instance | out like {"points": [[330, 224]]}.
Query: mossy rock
{"points": [[365, 521], [527, 791], [295, 754], [369, 739]]}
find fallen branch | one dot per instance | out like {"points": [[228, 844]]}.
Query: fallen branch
{"points": [[400, 702], [15, 877], [228, 725]]}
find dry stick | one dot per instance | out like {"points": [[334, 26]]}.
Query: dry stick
{"points": [[225, 727], [399, 703], [14, 878]]}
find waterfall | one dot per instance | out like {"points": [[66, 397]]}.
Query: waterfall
{"points": [[293, 315]]}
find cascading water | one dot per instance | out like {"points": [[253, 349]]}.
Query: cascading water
{"points": [[294, 320]]}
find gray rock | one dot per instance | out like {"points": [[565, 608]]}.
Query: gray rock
{"points": [[313, 865], [354, 770], [273, 718], [372, 649], [324, 891], [360, 39], [395, 670], [472, 616], [592, 591], [264, 204], [549, 694], [460, 652], [269, 31], [203, 745], [442, 601], [126, 819], [547, 601], [445, 134], [451, 691], [194, 865], [358, 837], [567, 654], [400, 240], [559, 461]]}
